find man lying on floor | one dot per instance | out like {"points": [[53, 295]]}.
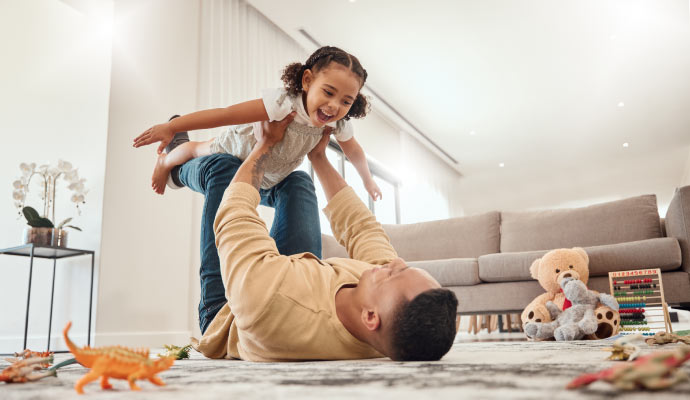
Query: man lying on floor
{"points": [[299, 307]]}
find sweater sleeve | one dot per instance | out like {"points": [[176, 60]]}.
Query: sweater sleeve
{"points": [[250, 264], [357, 229]]}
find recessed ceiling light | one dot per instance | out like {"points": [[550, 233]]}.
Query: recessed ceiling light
{"points": [[501, 165], [473, 133], [626, 144], [352, 1], [621, 104]]}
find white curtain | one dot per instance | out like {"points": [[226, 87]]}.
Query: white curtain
{"points": [[241, 53]]}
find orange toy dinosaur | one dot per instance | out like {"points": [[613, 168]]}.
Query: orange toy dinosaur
{"points": [[116, 362]]}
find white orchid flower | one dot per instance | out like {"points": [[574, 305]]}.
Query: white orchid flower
{"points": [[18, 184], [71, 175], [26, 169], [76, 186], [64, 166], [77, 198]]}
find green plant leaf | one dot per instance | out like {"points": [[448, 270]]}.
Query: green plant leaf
{"points": [[76, 228], [61, 224], [30, 214], [35, 220]]}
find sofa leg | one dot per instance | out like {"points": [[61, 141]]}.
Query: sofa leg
{"points": [[494, 322], [509, 323], [457, 323], [473, 325]]}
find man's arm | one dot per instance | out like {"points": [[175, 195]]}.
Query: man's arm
{"points": [[250, 264], [253, 168], [353, 224], [330, 179]]}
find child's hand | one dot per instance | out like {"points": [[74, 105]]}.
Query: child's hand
{"points": [[157, 133], [373, 189]]}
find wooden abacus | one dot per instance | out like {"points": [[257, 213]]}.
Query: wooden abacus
{"points": [[640, 295]]}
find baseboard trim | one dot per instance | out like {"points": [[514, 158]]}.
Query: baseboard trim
{"points": [[151, 339]]}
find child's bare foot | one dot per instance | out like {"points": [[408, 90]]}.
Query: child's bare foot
{"points": [[160, 175]]}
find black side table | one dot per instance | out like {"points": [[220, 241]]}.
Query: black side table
{"points": [[52, 253]]}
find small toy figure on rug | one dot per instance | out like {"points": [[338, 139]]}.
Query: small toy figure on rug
{"points": [[655, 371], [666, 338], [550, 271], [576, 321], [27, 366], [623, 349], [116, 362], [180, 353]]}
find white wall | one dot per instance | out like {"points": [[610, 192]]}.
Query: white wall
{"points": [[147, 239], [686, 174], [55, 74]]}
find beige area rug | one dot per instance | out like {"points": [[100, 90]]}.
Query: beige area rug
{"points": [[477, 370]]}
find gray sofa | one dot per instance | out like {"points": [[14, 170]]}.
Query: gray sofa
{"points": [[485, 258]]}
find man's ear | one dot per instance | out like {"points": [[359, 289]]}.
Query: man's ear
{"points": [[307, 78], [370, 319]]}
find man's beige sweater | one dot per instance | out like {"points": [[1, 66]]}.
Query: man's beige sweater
{"points": [[283, 307]]}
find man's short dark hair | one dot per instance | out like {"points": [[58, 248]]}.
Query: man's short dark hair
{"points": [[423, 328]]}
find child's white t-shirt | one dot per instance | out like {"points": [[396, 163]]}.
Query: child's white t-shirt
{"points": [[300, 136]]}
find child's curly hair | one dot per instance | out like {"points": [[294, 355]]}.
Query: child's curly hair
{"points": [[292, 75]]}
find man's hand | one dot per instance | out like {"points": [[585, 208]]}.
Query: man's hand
{"points": [[273, 132], [253, 167], [373, 189], [158, 133], [320, 149]]}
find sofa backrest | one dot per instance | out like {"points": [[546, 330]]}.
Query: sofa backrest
{"points": [[464, 237], [627, 220]]}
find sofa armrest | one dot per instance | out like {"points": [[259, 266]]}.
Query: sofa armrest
{"points": [[678, 223]]}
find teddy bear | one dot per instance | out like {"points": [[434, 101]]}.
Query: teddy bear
{"points": [[550, 270], [576, 321]]}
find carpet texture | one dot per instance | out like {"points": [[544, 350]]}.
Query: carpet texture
{"points": [[477, 370]]}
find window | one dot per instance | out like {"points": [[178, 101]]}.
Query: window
{"points": [[386, 210]]}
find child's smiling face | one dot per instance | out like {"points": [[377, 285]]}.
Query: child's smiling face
{"points": [[329, 93]]}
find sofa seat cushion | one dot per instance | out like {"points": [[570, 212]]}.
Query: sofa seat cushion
{"points": [[628, 220], [465, 237], [663, 253], [451, 272], [331, 248]]}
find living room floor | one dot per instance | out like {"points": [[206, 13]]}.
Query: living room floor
{"points": [[487, 366]]}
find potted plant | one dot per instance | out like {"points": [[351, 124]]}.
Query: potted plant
{"points": [[41, 230]]}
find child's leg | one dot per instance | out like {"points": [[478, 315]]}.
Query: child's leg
{"points": [[178, 156]]}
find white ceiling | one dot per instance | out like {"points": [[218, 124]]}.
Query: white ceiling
{"points": [[539, 82]]}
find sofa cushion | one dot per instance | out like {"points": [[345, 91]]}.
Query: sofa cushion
{"points": [[465, 237], [331, 248], [451, 272], [678, 222], [661, 253], [636, 218]]}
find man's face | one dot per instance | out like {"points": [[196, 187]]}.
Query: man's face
{"points": [[385, 287]]}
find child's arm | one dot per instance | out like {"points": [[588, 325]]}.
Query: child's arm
{"points": [[242, 113], [356, 155]]}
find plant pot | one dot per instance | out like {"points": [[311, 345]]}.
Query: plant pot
{"points": [[59, 238], [45, 236]]}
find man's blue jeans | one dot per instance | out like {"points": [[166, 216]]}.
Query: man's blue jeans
{"points": [[295, 227]]}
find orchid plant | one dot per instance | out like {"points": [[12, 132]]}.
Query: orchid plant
{"points": [[47, 181]]}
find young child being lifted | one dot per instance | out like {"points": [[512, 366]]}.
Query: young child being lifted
{"points": [[324, 92]]}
